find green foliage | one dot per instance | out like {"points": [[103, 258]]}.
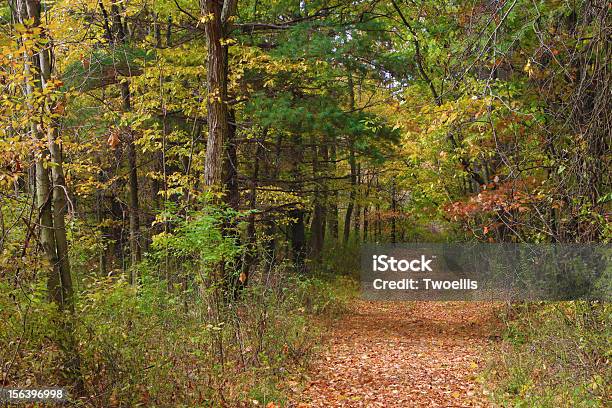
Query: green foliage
{"points": [[447, 120], [149, 346], [554, 355], [200, 235], [105, 67]]}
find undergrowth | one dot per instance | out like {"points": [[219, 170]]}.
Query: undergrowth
{"points": [[149, 346], [554, 355]]}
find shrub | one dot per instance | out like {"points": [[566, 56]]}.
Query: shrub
{"points": [[554, 354]]}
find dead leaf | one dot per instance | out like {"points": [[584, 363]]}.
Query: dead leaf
{"points": [[113, 139]]}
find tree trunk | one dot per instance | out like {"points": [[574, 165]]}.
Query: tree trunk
{"points": [[51, 200], [352, 164], [250, 256], [135, 255], [119, 37], [270, 223], [232, 195], [357, 226], [297, 229], [60, 203], [316, 226], [365, 223], [393, 209], [47, 237], [216, 78], [333, 204]]}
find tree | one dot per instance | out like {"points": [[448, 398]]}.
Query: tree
{"points": [[51, 194]]}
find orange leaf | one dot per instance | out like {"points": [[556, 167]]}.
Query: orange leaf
{"points": [[113, 140]]}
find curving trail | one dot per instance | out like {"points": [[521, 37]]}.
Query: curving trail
{"points": [[398, 354]]}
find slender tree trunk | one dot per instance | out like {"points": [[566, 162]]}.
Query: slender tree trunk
{"points": [[297, 229], [51, 200], [333, 202], [324, 188], [169, 32], [357, 226], [232, 200], [366, 209], [47, 237], [316, 226], [60, 203], [134, 208], [365, 223], [353, 167], [251, 250], [393, 210], [119, 37], [99, 219], [351, 201], [270, 223], [135, 254], [232, 195]]}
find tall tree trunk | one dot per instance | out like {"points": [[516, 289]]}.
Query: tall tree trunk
{"points": [[377, 225], [232, 194], [270, 223], [134, 208], [393, 210], [51, 200], [333, 202], [47, 237], [251, 250], [232, 200], [60, 203], [100, 198], [357, 226], [297, 229], [365, 222], [169, 32], [366, 208], [216, 14], [216, 80], [353, 167], [119, 37], [324, 188], [316, 226]]}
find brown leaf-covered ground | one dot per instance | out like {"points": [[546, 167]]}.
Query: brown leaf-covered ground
{"points": [[399, 354]]}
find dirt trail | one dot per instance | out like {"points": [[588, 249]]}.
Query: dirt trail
{"points": [[423, 354]]}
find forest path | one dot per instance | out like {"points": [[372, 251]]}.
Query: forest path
{"points": [[403, 354]]}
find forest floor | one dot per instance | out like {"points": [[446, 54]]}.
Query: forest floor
{"points": [[400, 354]]}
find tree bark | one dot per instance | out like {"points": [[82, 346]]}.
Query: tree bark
{"points": [[51, 200], [119, 37], [270, 224], [393, 210], [232, 194], [353, 167], [333, 205], [357, 225], [297, 229], [316, 226], [250, 257], [216, 79]]}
